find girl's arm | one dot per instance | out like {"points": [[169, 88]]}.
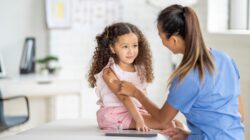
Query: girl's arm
{"points": [[163, 115], [109, 78], [241, 108]]}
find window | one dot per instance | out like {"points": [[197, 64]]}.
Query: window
{"points": [[238, 14], [229, 16]]}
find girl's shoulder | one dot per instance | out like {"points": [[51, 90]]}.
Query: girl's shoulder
{"points": [[110, 64]]}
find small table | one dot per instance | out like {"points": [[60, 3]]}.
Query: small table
{"points": [[75, 129]]}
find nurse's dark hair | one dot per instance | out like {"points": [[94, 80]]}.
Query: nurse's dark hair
{"points": [[182, 21], [108, 38]]}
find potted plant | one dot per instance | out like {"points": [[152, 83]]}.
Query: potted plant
{"points": [[45, 64]]}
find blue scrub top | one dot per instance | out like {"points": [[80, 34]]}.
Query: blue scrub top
{"points": [[210, 106]]}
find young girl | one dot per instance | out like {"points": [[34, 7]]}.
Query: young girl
{"points": [[204, 87], [122, 53]]}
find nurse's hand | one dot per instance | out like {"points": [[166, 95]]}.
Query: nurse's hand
{"points": [[176, 133], [127, 88]]}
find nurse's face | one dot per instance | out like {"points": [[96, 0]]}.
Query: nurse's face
{"points": [[174, 43], [164, 39]]}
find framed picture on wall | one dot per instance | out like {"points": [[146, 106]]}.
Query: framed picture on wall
{"points": [[58, 13]]}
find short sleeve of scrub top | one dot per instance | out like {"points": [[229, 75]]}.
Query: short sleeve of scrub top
{"points": [[183, 95], [236, 69]]}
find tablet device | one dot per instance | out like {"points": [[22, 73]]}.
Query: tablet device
{"points": [[131, 133]]}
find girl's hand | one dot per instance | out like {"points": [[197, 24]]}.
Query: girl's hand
{"points": [[141, 126], [127, 88]]}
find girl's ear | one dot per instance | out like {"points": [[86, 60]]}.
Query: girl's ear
{"points": [[112, 49]]}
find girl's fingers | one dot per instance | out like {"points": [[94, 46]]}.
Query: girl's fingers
{"points": [[138, 129], [147, 129], [143, 129]]}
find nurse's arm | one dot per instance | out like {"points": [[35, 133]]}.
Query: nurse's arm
{"points": [[241, 108], [164, 115]]}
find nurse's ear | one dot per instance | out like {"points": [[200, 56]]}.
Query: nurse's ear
{"points": [[173, 40]]}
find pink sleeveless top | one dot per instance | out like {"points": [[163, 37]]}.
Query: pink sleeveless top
{"points": [[106, 97]]}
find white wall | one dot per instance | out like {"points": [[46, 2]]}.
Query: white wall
{"points": [[21, 19]]}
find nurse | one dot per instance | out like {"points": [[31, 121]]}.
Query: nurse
{"points": [[204, 87]]}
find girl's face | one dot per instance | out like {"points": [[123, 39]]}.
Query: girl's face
{"points": [[126, 48]]}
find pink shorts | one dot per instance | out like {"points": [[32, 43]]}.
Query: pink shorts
{"points": [[108, 117]]}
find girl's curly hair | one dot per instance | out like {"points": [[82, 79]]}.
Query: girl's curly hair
{"points": [[103, 52]]}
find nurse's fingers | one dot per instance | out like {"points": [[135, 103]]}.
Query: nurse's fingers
{"points": [[178, 124], [115, 81], [169, 131], [179, 136]]}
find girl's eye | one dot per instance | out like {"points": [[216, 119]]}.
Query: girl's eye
{"points": [[125, 46], [135, 46]]}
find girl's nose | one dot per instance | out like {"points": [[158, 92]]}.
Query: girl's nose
{"points": [[130, 50]]}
